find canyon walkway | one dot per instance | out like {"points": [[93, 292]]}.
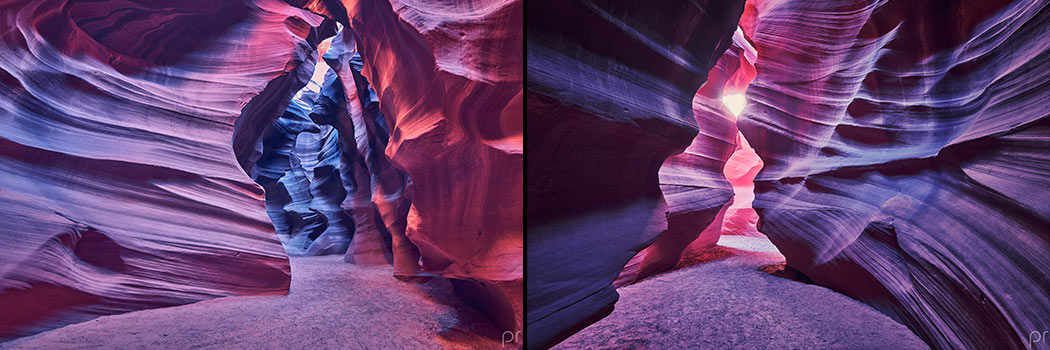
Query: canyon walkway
{"points": [[333, 305], [724, 301]]}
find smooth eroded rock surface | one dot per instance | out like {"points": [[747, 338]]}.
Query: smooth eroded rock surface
{"points": [[381, 202], [694, 182], [448, 79], [906, 158], [302, 171], [133, 131], [127, 128], [610, 91]]}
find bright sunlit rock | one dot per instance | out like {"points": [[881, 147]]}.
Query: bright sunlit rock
{"points": [[735, 103]]}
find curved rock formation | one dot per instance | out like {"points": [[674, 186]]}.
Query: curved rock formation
{"points": [[906, 164], [450, 87], [122, 121], [380, 203], [610, 91], [694, 182], [448, 78], [740, 170], [300, 170]]}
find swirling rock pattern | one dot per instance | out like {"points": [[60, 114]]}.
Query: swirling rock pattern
{"points": [[693, 182], [448, 78], [610, 91], [741, 169], [380, 203], [122, 126], [301, 171], [906, 165]]}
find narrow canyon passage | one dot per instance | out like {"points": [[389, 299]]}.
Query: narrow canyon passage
{"points": [[364, 156], [903, 172], [739, 294]]}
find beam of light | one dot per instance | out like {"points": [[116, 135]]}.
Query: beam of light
{"points": [[735, 103]]}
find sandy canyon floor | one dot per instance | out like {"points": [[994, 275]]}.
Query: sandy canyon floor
{"points": [[734, 296], [332, 305], [726, 299]]}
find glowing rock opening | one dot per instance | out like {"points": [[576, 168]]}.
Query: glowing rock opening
{"points": [[735, 103]]}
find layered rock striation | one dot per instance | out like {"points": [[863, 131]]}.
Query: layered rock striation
{"points": [[448, 79], [133, 132], [694, 182], [906, 158], [610, 90], [301, 170], [124, 123], [380, 202]]}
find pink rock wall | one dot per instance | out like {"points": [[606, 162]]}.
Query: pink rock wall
{"points": [[694, 182], [122, 121], [380, 202], [126, 128], [741, 169], [452, 94], [449, 82]]}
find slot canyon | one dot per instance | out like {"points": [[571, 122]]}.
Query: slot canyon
{"points": [[788, 174], [355, 174], [261, 174]]}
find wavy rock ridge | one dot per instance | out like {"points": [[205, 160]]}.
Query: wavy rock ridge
{"points": [[694, 182], [904, 147], [906, 165], [120, 188], [448, 78], [127, 123], [610, 91], [453, 100], [299, 171], [380, 203]]}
